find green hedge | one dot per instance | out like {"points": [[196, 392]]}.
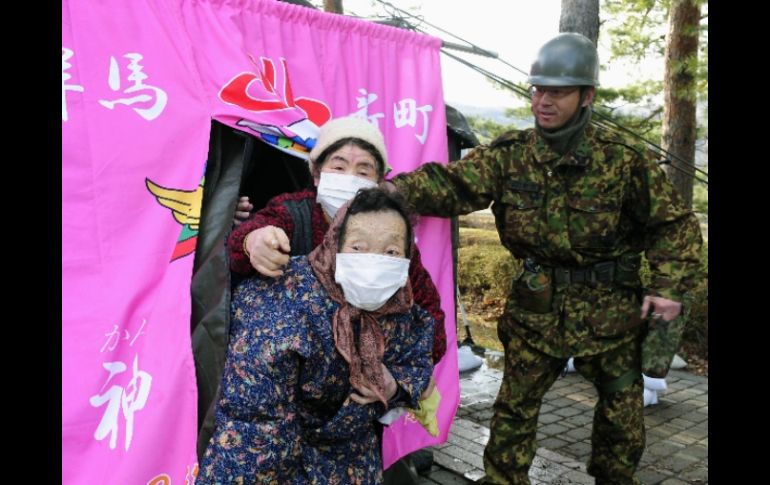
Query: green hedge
{"points": [[485, 267]]}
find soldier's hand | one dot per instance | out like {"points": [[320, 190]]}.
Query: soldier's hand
{"points": [[662, 308], [268, 250], [242, 210]]}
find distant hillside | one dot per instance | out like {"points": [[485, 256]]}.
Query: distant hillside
{"points": [[495, 114]]}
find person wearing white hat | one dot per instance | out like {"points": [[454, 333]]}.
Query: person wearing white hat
{"points": [[349, 154]]}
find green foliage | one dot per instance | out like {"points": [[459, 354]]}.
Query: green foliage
{"points": [[700, 199], [637, 31], [637, 92], [637, 27], [485, 267], [521, 112], [649, 126], [487, 130]]}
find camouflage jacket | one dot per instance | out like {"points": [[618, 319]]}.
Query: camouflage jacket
{"points": [[606, 198]]}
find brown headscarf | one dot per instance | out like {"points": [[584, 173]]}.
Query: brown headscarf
{"points": [[364, 353]]}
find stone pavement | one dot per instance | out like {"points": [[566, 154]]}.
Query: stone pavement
{"points": [[677, 431]]}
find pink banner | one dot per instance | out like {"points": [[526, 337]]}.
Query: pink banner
{"points": [[135, 131], [140, 82]]}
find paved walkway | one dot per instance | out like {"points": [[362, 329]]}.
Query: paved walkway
{"points": [[677, 431]]}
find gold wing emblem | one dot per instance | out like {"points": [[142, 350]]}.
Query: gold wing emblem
{"points": [[185, 205]]}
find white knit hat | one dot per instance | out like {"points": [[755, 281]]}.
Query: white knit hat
{"points": [[349, 127]]}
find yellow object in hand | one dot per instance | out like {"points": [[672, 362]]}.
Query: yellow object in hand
{"points": [[427, 412]]}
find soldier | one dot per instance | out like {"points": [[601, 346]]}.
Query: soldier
{"points": [[578, 204]]}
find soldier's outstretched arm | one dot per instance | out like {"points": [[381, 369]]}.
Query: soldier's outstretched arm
{"points": [[458, 188]]}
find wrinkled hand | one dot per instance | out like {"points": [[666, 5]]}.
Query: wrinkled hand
{"points": [[428, 390], [366, 395], [662, 308], [268, 248], [242, 210]]}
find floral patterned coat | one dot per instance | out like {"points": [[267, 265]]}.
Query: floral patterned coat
{"points": [[285, 415]]}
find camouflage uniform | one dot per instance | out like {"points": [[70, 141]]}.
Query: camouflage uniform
{"points": [[604, 202]]}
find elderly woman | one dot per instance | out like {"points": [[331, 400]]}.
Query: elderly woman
{"points": [[318, 354], [349, 154]]}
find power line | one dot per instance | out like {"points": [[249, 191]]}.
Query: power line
{"points": [[422, 20], [475, 49], [608, 122]]}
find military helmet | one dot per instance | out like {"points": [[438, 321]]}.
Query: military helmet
{"points": [[568, 59]]}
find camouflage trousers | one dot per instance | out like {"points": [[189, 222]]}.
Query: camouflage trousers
{"points": [[618, 439]]}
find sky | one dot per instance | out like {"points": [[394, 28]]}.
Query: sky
{"points": [[515, 29]]}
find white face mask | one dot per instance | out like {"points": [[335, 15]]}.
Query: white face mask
{"points": [[334, 189], [369, 280]]}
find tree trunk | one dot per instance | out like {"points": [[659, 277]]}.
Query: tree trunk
{"points": [[333, 6], [679, 93], [581, 16]]}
